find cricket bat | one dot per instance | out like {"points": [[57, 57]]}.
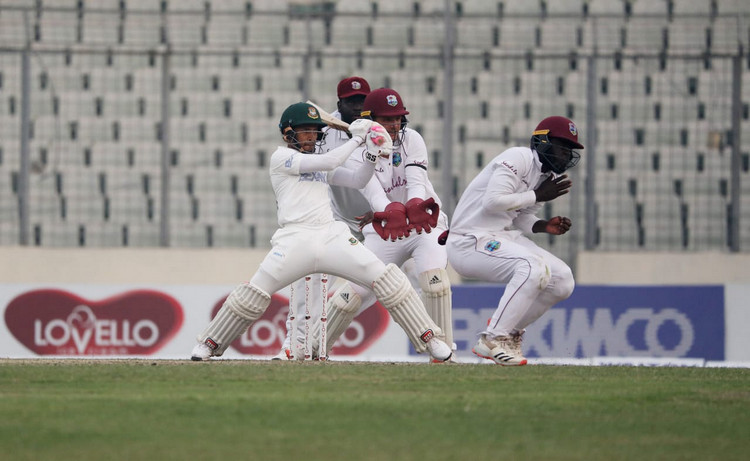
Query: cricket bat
{"points": [[329, 119]]}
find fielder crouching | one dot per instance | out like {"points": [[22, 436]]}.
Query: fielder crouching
{"points": [[487, 241], [310, 241]]}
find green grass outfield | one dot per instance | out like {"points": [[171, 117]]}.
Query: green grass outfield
{"points": [[242, 410]]}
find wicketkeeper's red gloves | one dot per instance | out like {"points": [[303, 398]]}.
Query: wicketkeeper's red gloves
{"points": [[422, 214], [391, 223]]}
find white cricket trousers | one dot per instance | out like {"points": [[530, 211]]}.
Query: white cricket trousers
{"points": [[299, 250], [536, 279]]}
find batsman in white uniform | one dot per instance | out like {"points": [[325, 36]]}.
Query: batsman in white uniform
{"points": [[486, 240], [309, 240], [347, 204], [407, 209]]}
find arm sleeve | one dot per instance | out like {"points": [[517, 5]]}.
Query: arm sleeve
{"points": [[352, 174], [329, 160], [501, 195], [526, 219], [375, 195]]}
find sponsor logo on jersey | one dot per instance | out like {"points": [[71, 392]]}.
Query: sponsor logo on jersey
{"points": [[510, 167], [492, 245], [396, 158], [395, 182], [318, 176]]}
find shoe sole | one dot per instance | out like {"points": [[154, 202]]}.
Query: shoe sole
{"points": [[195, 358], [451, 359], [520, 364]]}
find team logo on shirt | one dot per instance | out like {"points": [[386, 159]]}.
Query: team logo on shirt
{"points": [[492, 245], [353, 241], [396, 158]]}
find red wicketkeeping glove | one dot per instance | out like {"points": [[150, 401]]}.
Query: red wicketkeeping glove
{"points": [[422, 214], [391, 223]]}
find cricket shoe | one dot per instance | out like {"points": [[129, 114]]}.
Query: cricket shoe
{"points": [[451, 359], [201, 352], [516, 342], [500, 350], [439, 351], [284, 354]]}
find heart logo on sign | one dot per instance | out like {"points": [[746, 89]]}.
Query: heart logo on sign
{"points": [[266, 335], [57, 322]]}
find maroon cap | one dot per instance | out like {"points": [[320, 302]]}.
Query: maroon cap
{"points": [[559, 127], [352, 86], [383, 102]]}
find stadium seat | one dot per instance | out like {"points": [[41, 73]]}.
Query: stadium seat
{"points": [[101, 28], [646, 34], [518, 33], [226, 30], [649, 7], [689, 33], [561, 33], [732, 7], [476, 33], [528, 8], [142, 28]]}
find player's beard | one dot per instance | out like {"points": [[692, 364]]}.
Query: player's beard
{"points": [[307, 147], [394, 133]]}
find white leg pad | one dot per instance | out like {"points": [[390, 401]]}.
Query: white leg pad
{"points": [[244, 305], [396, 294], [341, 308], [436, 295]]}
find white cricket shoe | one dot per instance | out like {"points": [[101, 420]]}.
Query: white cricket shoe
{"points": [[284, 354], [516, 343], [451, 359], [439, 351], [501, 350], [201, 352]]}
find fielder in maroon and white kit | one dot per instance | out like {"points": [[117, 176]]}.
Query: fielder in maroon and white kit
{"points": [[486, 240], [406, 211]]}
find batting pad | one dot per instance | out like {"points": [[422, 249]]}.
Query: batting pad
{"points": [[395, 293], [342, 308], [436, 295], [244, 305]]}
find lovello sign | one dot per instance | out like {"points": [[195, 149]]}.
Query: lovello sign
{"points": [[57, 322]]}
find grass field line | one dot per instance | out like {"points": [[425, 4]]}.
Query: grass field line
{"points": [[585, 362]]}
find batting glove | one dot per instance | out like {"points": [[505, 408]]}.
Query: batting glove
{"points": [[360, 127], [391, 223], [378, 143], [422, 214]]}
